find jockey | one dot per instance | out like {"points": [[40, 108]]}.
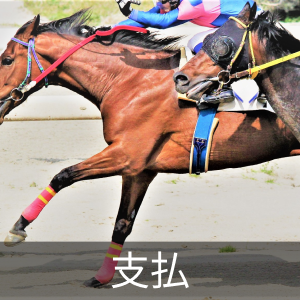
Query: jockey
{"points": [[169, 13]]}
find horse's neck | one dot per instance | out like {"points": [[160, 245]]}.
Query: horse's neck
{"points": [[281, 86], [97, 71]]}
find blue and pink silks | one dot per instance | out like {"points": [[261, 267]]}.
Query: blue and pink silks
{"points": [[207, 13]]}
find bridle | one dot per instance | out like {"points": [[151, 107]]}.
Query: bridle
{"points": [[241, 46], [225, 76], [17, 94]]}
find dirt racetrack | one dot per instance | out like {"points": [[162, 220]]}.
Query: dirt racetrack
{"points": [[257, 203]]}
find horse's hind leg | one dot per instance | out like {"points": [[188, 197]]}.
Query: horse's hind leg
{"points": [[111, 161], [133, 192]]}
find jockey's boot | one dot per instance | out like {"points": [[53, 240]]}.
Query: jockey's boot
{"points": [[218, 96]]}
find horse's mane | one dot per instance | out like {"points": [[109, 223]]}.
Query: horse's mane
{"points": [[77, 25], [278, 40]]}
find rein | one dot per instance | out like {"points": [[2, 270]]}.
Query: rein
{"points": [[17, 94], [251, 72]]}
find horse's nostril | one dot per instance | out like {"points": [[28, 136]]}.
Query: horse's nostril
{"points": [[181, 78]]}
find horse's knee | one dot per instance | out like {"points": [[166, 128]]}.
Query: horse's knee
{"points": [[122, 230], [63, 179]]}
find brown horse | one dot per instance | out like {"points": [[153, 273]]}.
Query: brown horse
{"points": [[270, 41], [147, 129]]}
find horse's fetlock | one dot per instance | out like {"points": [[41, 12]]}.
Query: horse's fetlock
{"points": [[19, 226], [122, 225], [122, 229]]}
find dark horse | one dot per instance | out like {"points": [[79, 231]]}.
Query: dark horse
{"points": [[270, 41], [148, 130]]}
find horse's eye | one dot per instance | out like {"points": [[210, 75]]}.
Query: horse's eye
{"points": [[7, 61]]}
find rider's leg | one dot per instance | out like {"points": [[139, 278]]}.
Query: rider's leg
{"points": [[196, 42]]}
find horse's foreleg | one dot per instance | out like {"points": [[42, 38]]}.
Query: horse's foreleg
{"points": [[133, 192], [111, 161]]}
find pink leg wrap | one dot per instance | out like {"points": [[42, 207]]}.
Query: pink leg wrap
{"points": [[107, 270], [33, 210]]}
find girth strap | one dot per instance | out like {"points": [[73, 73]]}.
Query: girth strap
{"points": [[202, 140]]}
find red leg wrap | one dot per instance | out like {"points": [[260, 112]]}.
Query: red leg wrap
{"points": [[107, 270], [33, 210]]}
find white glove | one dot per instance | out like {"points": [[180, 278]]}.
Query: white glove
{"points": [[124, 6]]}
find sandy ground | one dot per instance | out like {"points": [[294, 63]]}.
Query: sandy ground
{"points": [[231, 205]]}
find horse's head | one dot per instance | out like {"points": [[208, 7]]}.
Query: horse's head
{"points": [[218, 50], [13, 68]]}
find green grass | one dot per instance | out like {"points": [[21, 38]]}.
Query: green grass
{"points": [[102, 11], [291, 20], [10, 25], [227, 249], [174, 181], [270, 181], [194, 175], [248, 177], [266, 169]]}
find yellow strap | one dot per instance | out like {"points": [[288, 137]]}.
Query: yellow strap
{"points": [[111, 255], [252, 54], [43, 199], [274, 62], [238, 21], [50, 191], [255, 70], [183, 97], [183, 57], [117, 247], [240, 49], [251, 48]]}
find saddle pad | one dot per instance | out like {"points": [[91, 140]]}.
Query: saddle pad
{"points": [[237, 105]]}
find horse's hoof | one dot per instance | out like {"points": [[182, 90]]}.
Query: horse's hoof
{"points": [[13, 239], [93, 282]]}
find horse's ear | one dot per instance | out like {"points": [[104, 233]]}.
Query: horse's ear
{"points": [[36, 22], [253, 12], [245, 13], [32, 29]]}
